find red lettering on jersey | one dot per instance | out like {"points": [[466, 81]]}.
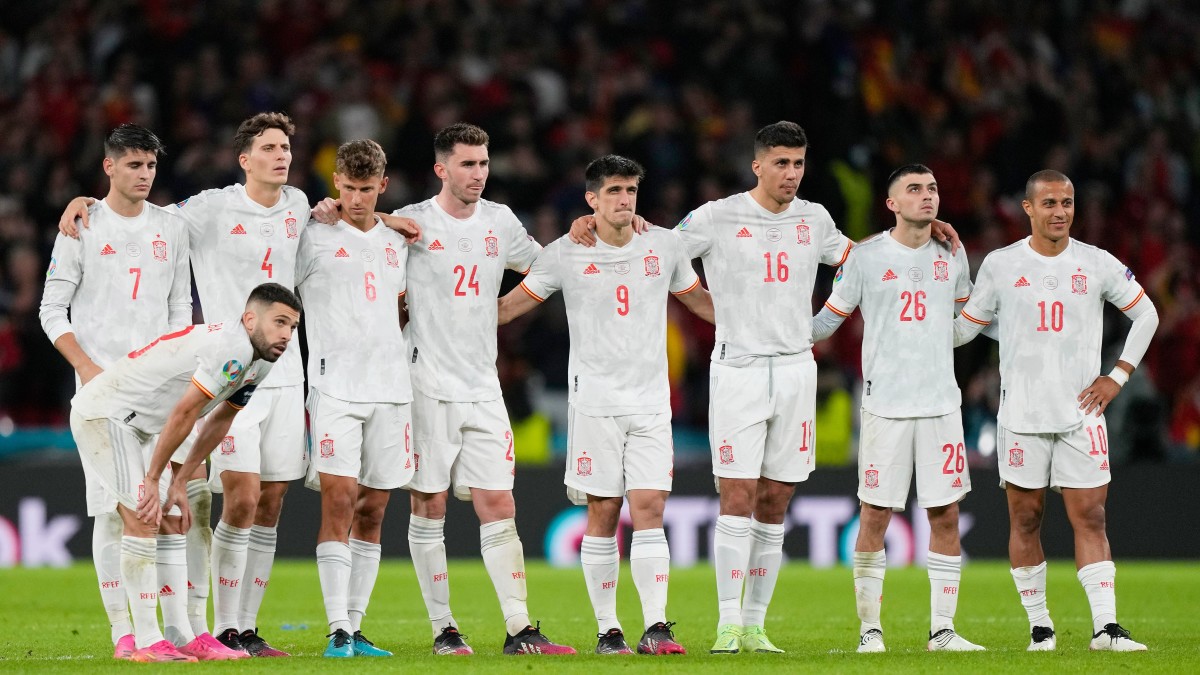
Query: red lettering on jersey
{"points": [[591, 269], [108, 250], [889, 276], [238, 229], [1021, 283], [744, 234], [436, 246], [341, 253]]}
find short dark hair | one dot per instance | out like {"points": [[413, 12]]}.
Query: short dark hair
{"points": [[360, 160], [610, 166], [253, 127], [270, 293], [1043, 176], [131, 137], [906, 170], [780, 134], [460, 132]]}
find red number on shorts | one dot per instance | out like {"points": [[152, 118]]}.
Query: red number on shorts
{"points": [[1056, 317], [780, 270], [369, 289], [623, 298], [462, 276], [137, 279], [956, 455], [806, 429], [912, 300], [1099, 440], [508, 456], [266, 266]]}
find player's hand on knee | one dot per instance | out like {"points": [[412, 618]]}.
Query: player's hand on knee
{"points": [[327, 211], [148, 509], [1097, 396], [177, 496], [583, 231], [77, 209]]}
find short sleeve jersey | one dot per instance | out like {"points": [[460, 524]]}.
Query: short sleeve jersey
{"points": [[907, 297], [454, 276], [761, 268], [238, 244], [351, 282], [125, 280], [1051, 313], [616, 300], [144, 387]]}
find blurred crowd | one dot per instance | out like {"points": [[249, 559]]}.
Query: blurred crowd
{"points": [[983, 92]]}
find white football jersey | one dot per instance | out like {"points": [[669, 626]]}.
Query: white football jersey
{"points": [[761, 267], [616, 301], [907, 297], [144, 387], [1051, 313], [351, 282], [125, 282], [454, 276], [238, 244]]}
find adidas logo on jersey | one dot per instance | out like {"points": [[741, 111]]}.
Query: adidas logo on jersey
{"points": [[108, 250], [889, 275], [957, 483], [1104, 465], [341, 253], [1021, 282], [238, 229], [744, 234], [591, 269], [436, 246]]}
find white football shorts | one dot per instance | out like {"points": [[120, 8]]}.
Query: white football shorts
{"points": [[608, 456]]}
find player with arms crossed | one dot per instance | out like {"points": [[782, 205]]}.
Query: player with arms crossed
{"points": [[164, 388], [351, 277], [619, 442], [908, 287], [124, 283], [1048, 293], [461, 431]]}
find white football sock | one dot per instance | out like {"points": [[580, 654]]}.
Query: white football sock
{"points": [[731, 555], [199, 547], [945, 572], [766, 556], [260, 557], [228, 568], [1031, 584], [106, 556], [869, 570], [333, 568], [650, 565], [1100, 584], [364, 569], [140, 575], [427, 547], [171, 556], [505, 563], [601, 566]]}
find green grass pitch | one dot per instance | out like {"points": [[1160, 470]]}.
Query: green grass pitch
{"points": [[53, 622]]}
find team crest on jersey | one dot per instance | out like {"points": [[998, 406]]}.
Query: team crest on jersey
{"points": [[326, 448], [393, 260], [1016, 457], [228, 447], [651, 264], [941, 270], [1079, 284], [160, 250], [726, 454], [491, 246], [583, 466], [290, 226], [871, 479], [232, 369], [803, 237]]}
